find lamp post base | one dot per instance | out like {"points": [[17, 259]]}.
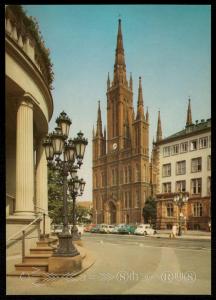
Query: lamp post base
{"points": [[75, 233], [66, 246]]}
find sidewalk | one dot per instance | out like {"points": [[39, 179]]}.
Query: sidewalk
{"points": [[189, 234]]}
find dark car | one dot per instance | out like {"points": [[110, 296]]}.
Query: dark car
{"points": [[95, 229], [127, 229]]}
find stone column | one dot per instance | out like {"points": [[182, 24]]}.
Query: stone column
{"points": [[24, 160], [41, 185]]}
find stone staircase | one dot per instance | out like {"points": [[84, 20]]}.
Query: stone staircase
{"points": [[38, 258], [36, 264]]}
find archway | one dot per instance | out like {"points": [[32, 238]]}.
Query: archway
{"points": [[112, 213]]}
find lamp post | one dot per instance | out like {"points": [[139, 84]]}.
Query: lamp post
{"points": [[180, 200], [57, 144], [76, 187]]}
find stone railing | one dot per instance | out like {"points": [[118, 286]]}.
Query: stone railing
{"points": [[25, 42]]}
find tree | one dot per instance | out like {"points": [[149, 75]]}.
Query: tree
{"points": [[149, 211], [55, 200], [83, 214]]}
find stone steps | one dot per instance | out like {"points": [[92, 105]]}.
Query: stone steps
{"points": [[42, 250], [32, 267], [36, 258]]}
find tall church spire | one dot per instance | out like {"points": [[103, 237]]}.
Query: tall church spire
{"points": [[140, 109], [159, 130], [99, 132], [119, 67], [189, 114]]}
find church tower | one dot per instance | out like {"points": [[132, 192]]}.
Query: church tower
{"points": [[121, 178]]}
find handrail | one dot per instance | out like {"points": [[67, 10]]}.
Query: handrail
{"points": [[23, 229], [41, 209], [10, 196]]}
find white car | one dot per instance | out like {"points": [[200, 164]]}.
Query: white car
{"points": [[144, 229], [105, 228]]}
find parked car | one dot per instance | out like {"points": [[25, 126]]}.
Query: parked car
{"points": [[80, 228], [116, 228], [105, 228], [127, 229], [145, 229], [88, 227], [95, 229]]}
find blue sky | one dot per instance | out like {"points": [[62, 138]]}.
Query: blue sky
{"points": [[169, 46]]}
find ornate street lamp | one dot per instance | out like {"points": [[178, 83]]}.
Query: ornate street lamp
{"points": [[56, 144], [76, 187], [180, 200], [80, 143]]}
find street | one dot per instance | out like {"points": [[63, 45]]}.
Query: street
{"points": [[131, 265]]}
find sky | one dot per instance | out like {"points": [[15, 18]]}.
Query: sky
{"points": [[169, 46]]}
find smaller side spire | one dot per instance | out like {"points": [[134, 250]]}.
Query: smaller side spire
{"points": [[189, 114], [108, 81], [140, 109], [105, 132], [131, 82], [147, 115], [93, 132], [99, 122], [159, 130]]}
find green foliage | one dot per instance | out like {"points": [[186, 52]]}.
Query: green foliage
{"points": [[32, 28], [149, 211], [82, 214], [55, 200]]}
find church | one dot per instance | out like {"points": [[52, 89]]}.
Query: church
{"points": [[122, 172]]}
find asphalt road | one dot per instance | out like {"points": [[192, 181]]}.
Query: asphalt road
{"points": [[132, 265]]}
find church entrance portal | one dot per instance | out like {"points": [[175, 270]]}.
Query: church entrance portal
{"points": [[112, 213]]}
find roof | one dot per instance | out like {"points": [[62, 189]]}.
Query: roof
{"points": [[188, 131]]}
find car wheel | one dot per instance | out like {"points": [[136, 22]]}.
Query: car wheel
{"points": [[145, 233]]}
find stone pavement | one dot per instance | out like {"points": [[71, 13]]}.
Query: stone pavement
{"points": [[189, 234]]}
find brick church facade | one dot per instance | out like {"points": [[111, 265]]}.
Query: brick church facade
{"points": [[122, 171]]}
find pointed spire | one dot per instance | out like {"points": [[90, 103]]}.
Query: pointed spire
{"points": [[108, 81], [93, 132], [131, 82], [105, 132], [99, 122], [140, 109], [119, 66], [147, 115], [159, 130], [189, 114]]}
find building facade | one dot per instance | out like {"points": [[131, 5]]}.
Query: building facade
{"points": [[29, 107], [183, 164], [121, 176]]}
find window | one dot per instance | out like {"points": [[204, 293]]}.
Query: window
{"points": [[169, 210], [166, 151], [184, 147], [193, 145], [125, 174], [181, 186], [166, 170], [209, 162], [137, 173], [114, 176], [196, 164], [180, 167], [129, 174], [196, 186], [103, 179], [137, 199], [203, 142], [166, 187], [175, 149], [197, 209], [209, 185]]}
